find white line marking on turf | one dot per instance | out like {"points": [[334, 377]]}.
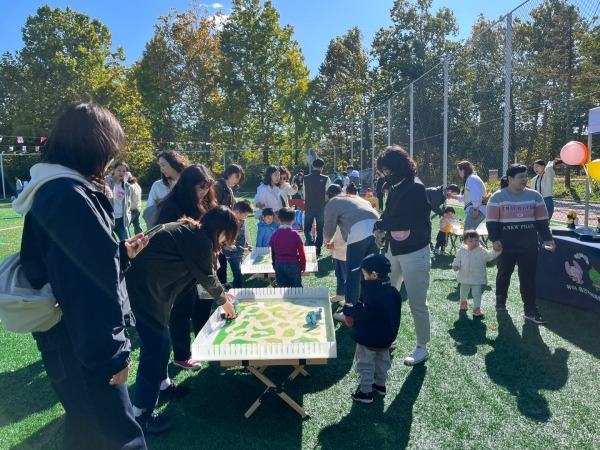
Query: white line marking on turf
{"points": [[11, 228]]}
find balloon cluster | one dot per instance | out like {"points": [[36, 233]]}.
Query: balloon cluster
{"points": [[575, 153]]}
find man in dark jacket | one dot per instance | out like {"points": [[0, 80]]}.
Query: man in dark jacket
{"points": [[315, 186], [375, 320], [437, 197]]}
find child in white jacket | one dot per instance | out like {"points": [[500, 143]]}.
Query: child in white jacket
{"points": [[470, 263]]}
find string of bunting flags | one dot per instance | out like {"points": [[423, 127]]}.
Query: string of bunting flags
{"points": [[25, 144]]}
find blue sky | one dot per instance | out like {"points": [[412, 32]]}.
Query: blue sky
{"points": [[315, 22]]}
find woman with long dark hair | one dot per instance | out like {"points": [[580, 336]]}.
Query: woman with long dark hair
{"points": [[473, 194], [68, 242], [177, 258], [171, 165], [405, 229], [192, 197], [286, 189], [268, 194]]}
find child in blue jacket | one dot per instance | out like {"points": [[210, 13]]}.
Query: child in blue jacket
{"points": [[266, 227]]}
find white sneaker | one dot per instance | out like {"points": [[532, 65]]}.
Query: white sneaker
{"points": [[394, 344], [417, 356], [340, 317]]}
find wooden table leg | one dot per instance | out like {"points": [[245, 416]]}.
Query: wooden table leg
{"points": [[273, 388]]}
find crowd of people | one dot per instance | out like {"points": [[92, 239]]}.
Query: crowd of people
{"points": [[116, 281]]}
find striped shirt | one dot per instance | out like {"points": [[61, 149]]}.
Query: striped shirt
{"points": [[516, 219]]}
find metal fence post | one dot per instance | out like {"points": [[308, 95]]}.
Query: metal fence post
{"points": [[373, 142], [507, 80], [412, 137], [389, 123], [445, 157]]}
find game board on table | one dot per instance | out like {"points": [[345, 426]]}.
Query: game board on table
{"points": [[271, 324], [260, 261]]}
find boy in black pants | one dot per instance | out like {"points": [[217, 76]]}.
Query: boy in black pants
{"points": [[375, 320]]}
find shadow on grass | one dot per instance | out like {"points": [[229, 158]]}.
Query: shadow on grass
{"points": [[212, 416], [370, 426], [25, 391], [49, 437], [468, 334], [525, 365], [326, 267], [573, 324]]}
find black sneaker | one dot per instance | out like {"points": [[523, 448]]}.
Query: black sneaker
{"points": [[174, 391], [360, 396], [381, 390], [500, 306], [151, 423], [535, 318]]}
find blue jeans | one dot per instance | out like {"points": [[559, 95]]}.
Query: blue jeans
{"points": [[120, 230], [155, 350], [309, 218], [288, 274], [355, 253], [98, 415], [549, 201], [470, 223], [341, 272], [236, 270], [135, 221]]}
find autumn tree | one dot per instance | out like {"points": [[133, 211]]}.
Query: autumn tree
{"points": [[260, 71], [66, 59], [343, 87]]}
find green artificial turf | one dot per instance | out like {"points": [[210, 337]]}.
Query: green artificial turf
{"points": [[492, 383]]}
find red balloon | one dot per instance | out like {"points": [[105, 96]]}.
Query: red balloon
{"points": [[574, 153]]}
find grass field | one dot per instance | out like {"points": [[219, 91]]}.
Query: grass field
{"points": [[492, 383]]}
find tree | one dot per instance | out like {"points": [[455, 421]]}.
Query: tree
{"points": [[190, 54], [66, 59], [260, 70], [343, 87], [415, 42], [156, 75]]}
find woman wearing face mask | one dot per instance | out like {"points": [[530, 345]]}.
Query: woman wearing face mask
{"points": [[405, 229], [120, 198]]}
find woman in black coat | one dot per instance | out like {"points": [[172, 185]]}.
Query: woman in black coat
{"points": [[68, 242], [176, 259]]}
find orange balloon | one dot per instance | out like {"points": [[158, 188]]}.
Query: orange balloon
{"points": [[574, 153]]}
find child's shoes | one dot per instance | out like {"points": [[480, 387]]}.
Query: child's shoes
{"points": [[477, 312], [464, 306]]}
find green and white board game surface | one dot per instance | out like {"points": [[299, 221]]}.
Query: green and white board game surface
{"points": [[271, 324], [260, 260]]}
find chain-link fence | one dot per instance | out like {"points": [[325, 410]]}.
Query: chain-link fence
{"points": [[516, 92]]}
